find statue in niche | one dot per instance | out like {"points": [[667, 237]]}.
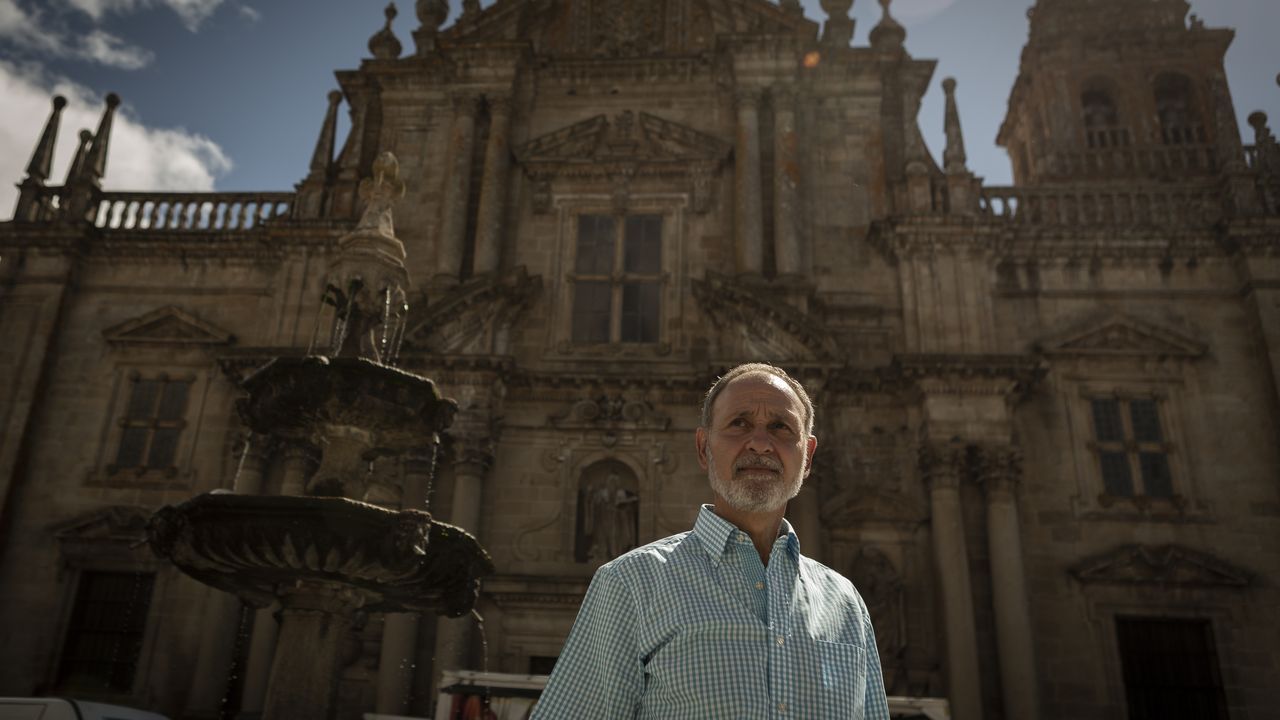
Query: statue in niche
{"points": [[607, 516], [872, 572]]}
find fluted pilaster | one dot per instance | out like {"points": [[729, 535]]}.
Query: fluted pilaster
{"points": [[786, 181], [457, 186], [749, 243], [493, 190]]}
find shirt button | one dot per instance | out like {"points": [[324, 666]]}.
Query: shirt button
{"points": [[782, 707], [780, 640], [742, 537], [759, 586]]}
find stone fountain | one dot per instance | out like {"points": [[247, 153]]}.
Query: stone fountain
{"points": [[327, 555]]}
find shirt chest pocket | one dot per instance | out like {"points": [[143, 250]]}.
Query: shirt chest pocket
{"points": [[841, 672]]}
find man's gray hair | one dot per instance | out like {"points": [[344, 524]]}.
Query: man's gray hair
{"points": [[758, 369]]}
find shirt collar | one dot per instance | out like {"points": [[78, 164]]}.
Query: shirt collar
{"points": [[715, 533]]}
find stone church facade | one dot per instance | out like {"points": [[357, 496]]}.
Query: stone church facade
{"points": [[1048, 413]]}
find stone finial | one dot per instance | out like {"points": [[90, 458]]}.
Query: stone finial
{"points": [[1261, 133], [77, 160], [42, 159], [838, 30], [322, 157], [953, 157], [95, 164], [889, 33], [384, 45], [432, 14]]}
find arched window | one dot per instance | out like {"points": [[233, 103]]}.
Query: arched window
{"points": [[608, 512], [1102, 127], [1179, 124]]}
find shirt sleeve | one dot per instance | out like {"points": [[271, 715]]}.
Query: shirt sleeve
{"points": [[875, 703], [600, 673]]}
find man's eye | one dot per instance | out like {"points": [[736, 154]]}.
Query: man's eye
{"points": [[737, 422], [780, 426]]}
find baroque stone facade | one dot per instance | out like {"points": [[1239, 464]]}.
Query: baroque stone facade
{"points": [[1048, 412]]}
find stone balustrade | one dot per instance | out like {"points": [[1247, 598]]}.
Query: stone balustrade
{"points": [[1080, 205], [196, 211], [1158, 161]]}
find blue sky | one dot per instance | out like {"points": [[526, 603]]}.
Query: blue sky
{"points": [[229, 94]]}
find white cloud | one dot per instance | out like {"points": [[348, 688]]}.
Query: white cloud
{"points": [[30, 31], [192, 12], [108, 49], [139, 157], [250, 14]]}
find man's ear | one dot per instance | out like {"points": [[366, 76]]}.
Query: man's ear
{"points": [[810, 446], [700, 440]]}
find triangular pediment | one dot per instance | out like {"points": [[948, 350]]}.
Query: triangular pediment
{"points": [[628, 137], [1122, 335], [115, 523], [625, 29], [863, 505], [753, 322], [470, 319], [168, 326], [1162, 565]]}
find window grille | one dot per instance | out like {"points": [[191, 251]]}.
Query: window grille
{"points": [[1170, 669], [153, 421], [104, 637], [617, 279]]}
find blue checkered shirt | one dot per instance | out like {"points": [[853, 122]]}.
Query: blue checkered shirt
{"points": [[695, 626]]}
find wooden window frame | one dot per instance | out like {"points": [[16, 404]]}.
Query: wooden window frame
{"points": [[619, 278], [1130, 446]]}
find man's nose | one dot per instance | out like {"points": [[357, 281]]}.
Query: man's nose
{"points": [[759, 441]]}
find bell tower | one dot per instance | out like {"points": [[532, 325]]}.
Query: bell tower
{"points": [[1121, 90]]}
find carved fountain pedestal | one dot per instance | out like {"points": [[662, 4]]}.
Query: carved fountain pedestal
{"points": [[326, 556]]}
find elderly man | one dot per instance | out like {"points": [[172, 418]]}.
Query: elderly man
{"points": [[728, 620]]}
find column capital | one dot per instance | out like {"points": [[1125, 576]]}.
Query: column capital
{"points": [[999, 469], [943, 464], [499, 104], [746, 98], [465, 103]]}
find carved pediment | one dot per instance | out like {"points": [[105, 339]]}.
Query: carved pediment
{"points": [[628, 138], [608, 412], [115, 523], [1120, 335], [468, 320], [1161, 565], [626, 29], [754, 323], [167, 326]]}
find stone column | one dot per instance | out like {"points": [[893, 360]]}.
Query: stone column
{"points": [[1001, 472], [493, 190], [400, 630], [294, 481], [942, 465], [257, 670], [457, 187], [786, 179], [220, 620], [315, 620], [748, 221], [453, 635]]}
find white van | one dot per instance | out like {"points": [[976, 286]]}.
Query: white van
{"points": [[64, 709]]}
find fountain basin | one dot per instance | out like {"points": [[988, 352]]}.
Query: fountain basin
{"points": [[263, 547]]}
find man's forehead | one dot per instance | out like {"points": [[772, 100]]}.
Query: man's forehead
{"points": [[751, 386]]}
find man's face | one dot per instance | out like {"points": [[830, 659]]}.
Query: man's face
{"points": [[755, 451]]}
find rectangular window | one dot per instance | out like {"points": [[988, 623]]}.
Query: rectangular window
{"points": [[104, 638], [1132, 453], [1170, 669], [155, 416], [617, 281]]}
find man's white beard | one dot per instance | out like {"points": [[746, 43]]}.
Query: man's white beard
{"points": [[754, 492]]}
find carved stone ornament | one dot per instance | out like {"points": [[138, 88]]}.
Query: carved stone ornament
{"points": [[1159, 565], [468, 319], [167, 326], [757, 325], [608, 412], [624, 146], [1120, 335]]}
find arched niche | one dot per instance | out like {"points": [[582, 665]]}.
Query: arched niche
{"points": [[607, 515]]}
